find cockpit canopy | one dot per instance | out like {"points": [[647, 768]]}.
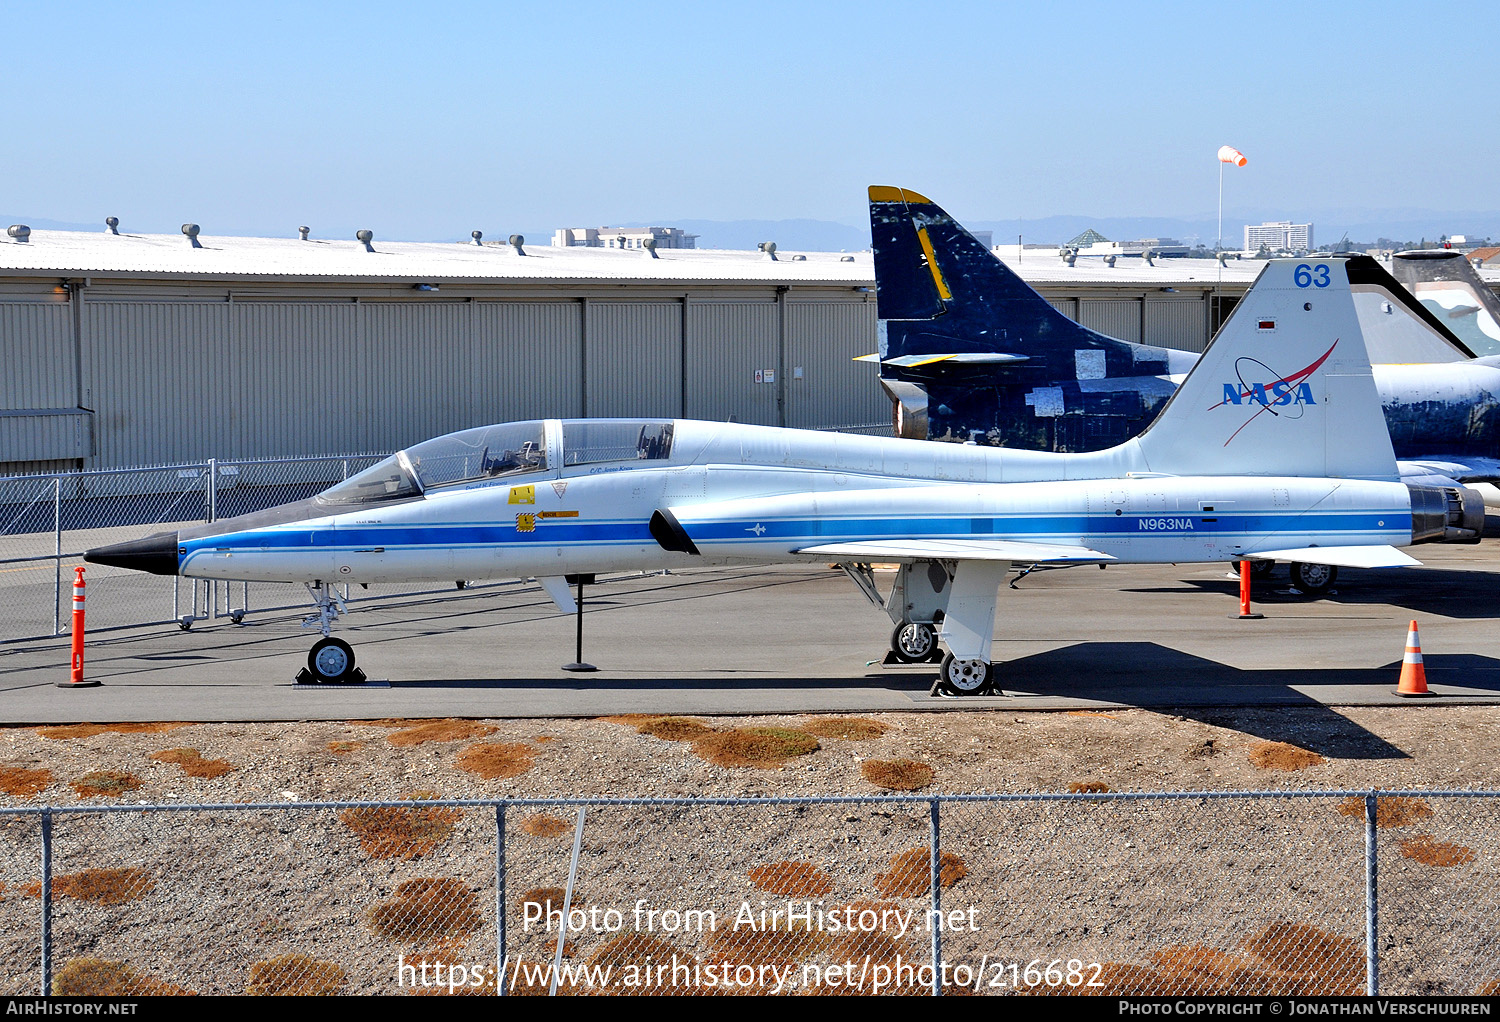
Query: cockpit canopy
{"points": [[508, 449]]}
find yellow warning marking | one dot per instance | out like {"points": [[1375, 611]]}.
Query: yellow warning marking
{"points": [[522, 495], [937, 274], [525, 522], [559, 514], [887, 193]]}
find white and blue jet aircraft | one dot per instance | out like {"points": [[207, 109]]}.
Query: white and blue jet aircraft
{"points": [[1274, 447]]}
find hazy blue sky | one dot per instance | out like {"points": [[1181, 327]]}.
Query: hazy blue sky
{"points": [[429, 119]]}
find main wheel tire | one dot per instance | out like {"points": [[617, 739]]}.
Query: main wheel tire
{"points": [[913, 642], [1258, 569], [331, 660], [1314, 579], [964, 677]]}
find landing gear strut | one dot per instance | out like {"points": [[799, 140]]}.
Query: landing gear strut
{"points": [[330, 660]]}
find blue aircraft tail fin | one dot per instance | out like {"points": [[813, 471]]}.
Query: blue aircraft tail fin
{"points": [[939, 291]]}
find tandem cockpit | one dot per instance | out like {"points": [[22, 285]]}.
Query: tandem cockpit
{"points": [[501, 452]]}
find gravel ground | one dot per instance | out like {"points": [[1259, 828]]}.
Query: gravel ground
{"points": [[217, 896]]}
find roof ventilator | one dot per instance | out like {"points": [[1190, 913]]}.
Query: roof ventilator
{"points": [[769, 248], [799, 258], [303, 232], [364, 238], [478, 237], [846, 259], [20, 232], [112, 224], [649, 244], [516, 241], [1069, 255], [1149, 256], [191, 230], [1109, 261]]}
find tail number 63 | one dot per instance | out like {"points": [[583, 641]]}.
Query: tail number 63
{"points": [[1310, 276]]}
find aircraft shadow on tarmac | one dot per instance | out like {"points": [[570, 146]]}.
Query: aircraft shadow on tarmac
{"points": [[1446, 592]]}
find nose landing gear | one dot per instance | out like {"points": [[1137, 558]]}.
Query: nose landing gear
{"points": [[331, 661]]}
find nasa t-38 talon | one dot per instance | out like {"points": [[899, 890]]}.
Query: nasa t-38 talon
{"points": [[1272, 448]]}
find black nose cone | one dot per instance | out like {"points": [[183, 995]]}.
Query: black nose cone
{"points": [[156, 554]]}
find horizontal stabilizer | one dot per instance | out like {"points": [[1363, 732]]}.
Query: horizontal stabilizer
{"points": [[967, 358], [958, 550], [1342, 556], [557, 591], [1445, 471]]}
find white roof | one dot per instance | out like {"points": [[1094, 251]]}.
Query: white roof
{"points": [[81, 253]]}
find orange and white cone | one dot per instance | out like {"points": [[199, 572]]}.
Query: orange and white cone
{"points": [[1413, 675]]}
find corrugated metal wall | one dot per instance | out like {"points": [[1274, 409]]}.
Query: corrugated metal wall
{"points": [[1180, 323], [416, 359], [1117, 318], [160, 380], [824, 338], [36, 355], [310, 372], [633, 353], [527, 361], [727, 343]]}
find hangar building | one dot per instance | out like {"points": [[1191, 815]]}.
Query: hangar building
{"points": [[125, 350]]}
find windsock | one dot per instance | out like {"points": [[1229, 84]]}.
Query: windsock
{"points": [[1229, 154]]}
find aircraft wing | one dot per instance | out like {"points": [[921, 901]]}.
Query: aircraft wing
{"points": [[958, 550], [957, 358], [1343, 556], [1445, 470]]}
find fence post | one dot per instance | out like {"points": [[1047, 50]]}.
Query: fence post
{"points": [[936, 913], [1372, 926], [213, 516], [57, 555], [46, 902], [500, 899]]}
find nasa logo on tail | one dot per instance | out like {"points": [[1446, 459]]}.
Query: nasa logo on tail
{"points": [[1281, 396]]}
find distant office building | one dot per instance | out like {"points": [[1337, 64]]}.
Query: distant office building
{"points": [[1279, 236], [622, 237]]}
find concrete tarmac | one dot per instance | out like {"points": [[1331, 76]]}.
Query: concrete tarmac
{"points": [[798, 640]]}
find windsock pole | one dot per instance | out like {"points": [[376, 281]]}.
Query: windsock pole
{"points": [[77, 681]]}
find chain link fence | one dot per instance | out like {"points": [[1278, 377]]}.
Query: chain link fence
{"points": [[1285, 893]]}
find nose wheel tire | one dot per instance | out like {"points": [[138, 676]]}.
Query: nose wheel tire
{"points": [[331, 660], [965, 677], [1314, 579], [913, 642]]}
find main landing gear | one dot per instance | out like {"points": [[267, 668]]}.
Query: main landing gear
{"points": [[331, 661], [965, 677]]}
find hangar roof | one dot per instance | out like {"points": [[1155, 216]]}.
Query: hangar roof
{"points": [[80, 253]]}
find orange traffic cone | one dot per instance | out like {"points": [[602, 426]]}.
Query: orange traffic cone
{"points": [[1413, 675]]}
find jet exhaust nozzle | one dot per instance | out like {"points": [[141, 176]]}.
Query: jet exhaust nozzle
{"points": [[1446, 514], [155, 554]]}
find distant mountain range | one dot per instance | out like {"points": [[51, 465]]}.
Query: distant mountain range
{"points": [[1360, 225]]}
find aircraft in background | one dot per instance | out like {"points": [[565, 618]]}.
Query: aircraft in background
{"points": [[1272, 448], [969, 351], [1452, 290]]}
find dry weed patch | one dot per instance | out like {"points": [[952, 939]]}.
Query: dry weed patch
{"points": [[549, 899], [643, 952], [764, 747], [108, 783], [910, 873], [295, 976], [896, 774], [428, 908], [1324, 963], [1392, 811], [1282, 756], [1431, 852], [66, 731], [850, 729], [675, 729], [780, 946], [24, 783], [101, 886], [1089, 713], [792, 879], [496, 759], [1088, 788], [628, 719], [192, 763], [440, 731], [542, 825], [389, 832], [339, 748], [95, 977]]}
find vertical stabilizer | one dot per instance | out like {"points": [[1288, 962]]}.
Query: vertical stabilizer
{"points": [[1284, 389]]}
